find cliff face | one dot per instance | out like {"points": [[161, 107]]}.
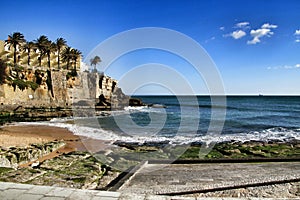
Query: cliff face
{"points": [[45, 88]]}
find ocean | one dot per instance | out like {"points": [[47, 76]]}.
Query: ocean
{"points": [[186, 119]]}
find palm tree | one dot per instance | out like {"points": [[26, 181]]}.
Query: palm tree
{"points": [[41, 44], [60, 43], [28, 46], [67, 55], [15, 40], [75, 55], [48, 49], [94, 61]]}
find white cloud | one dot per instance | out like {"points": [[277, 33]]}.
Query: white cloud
{"points": [[210, 39], [269, 26], [285, 67], [222, 28], [238, 34], [254, 41], [257, 34], [242, 25], [297, 32], [297, 36]]}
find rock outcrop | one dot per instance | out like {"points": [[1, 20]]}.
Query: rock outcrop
{"points": [[42, 94], [14, 156], [75, 169]]}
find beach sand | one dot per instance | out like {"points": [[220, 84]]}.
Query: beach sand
{"points": [[24, 135]]}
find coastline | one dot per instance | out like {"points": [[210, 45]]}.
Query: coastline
{"points": [[23, 135], [18, 135], [74, 165]]}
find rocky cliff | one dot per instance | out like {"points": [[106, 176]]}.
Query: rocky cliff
{"points": [[23, 89]]}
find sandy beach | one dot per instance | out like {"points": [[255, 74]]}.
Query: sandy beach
{"points": [[24, 135]]}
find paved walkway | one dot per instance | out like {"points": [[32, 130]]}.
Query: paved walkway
{"points": [[32, 192], [178, 179], [14, 191]]}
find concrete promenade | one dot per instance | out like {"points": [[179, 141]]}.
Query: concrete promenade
{"points": [[14, 191], [180, 179]]}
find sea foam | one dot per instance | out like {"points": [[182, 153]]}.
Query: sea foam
{"points": [[271, 134]]}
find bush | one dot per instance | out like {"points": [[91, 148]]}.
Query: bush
{"points": [[24, 84], [19, 68], [20, 83], [32, 85]]}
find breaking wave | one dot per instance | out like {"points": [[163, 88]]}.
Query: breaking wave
{"points": [[271, 134]]}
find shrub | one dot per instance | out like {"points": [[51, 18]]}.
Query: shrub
{"points": [[32, 85], [20, 83]]}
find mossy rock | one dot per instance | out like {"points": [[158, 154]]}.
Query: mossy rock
{"points": [[4, 170]]}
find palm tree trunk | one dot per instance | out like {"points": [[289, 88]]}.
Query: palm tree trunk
{"points": [[40, 60], [48, 54], [68, 62], [15, 55], [49, 82], [58, 59], [28, 61], [75, 65]]}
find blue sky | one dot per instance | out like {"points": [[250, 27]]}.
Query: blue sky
{"points": [[254, 44]]}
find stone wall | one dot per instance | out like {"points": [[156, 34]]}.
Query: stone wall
{"points": [[26, 97]]}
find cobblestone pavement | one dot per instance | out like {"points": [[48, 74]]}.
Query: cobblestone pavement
{"points": [[176, 178]]}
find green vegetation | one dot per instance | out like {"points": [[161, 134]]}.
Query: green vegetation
{"points": [[60, 43], [15, 74], [15, 40], [22, 85], [4, 170], [94, 61], [135, 153], [251, 150], [79, 169], [131, 154], [44, 47], [32, 85], [28, 47]]}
